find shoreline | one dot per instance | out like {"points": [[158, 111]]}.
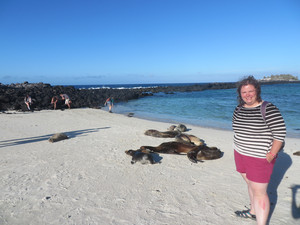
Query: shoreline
{"points": [[288, 135], [88, 178]]}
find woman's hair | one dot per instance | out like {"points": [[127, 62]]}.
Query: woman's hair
{"points": [[246, 81]]}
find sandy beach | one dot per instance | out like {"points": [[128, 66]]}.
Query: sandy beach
{"points": [[88, 179]]}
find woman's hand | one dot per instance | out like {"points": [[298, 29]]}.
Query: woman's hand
{"points": [[270, 156]]}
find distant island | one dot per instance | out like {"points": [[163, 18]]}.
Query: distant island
{"points": [[281, 77]]}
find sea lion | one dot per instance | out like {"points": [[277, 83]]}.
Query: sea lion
{"points": [[189, 139], [297, 153], [58, 137], [139, 156], [172, 127], [194, 153], [166, 134], [181, 128], [204, 153], [130, 114], [172, 147]]}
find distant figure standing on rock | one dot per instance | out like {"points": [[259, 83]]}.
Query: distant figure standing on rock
{"points": [[67, 100], [54, 101], [28, 101], [110, 103]]}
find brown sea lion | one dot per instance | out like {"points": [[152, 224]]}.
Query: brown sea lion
{"points": [[166, 134], [297, 153], [139, 156], [204, 153], [172, 147], [194, 153], [181, 128], [189, 139], [172, 127], [58, 137]]}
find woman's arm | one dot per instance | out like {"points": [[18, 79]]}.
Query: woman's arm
{"points": [[274, 150]]}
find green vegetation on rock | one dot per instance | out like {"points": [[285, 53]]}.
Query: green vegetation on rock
{"points": [[281, 77]]}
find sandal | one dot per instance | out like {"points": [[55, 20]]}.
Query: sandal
{"points": [[245, 214]]}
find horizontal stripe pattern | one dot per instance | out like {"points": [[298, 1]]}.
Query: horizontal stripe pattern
{"points": [[252, 135]]}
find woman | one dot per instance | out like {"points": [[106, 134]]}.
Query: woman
{"points": [[256, 144], [110, 103], [54, 101], [28, 101], [67, 100]]}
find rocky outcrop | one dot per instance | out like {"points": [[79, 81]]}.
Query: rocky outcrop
{"points": [[12, 96]]}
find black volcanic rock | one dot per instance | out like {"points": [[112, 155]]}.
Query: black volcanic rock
{"points": [[12, 96]]}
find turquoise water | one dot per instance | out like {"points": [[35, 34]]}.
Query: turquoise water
{"points": [[214, 108]]}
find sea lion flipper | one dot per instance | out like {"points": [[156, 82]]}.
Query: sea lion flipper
{"points": [[192, 156]]}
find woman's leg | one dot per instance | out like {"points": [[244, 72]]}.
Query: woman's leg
{"points": [[252, 209], [28, 107], [261, 202]]}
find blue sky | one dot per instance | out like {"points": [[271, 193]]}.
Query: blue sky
{"points": [[147, 41]]}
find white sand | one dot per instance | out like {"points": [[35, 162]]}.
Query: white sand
{"points": [[88, 179]]}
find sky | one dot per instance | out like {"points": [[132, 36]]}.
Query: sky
{"points": [[77, 42]]}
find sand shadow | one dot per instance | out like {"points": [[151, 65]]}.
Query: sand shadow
{"points": [[295, 207], [70, 134], [73, 134], [283, 163]]}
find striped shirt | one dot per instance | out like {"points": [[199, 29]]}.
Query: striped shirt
{"points": [[252, 135]]}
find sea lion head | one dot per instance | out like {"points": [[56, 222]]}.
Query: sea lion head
{"points": [[181, 128], [130, 152], [151, 132], [172, 127], [204, 153], [144, 149]]}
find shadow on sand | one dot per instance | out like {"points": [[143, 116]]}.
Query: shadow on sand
{"points": [[70, 134], [282, 164], [295, 206]]}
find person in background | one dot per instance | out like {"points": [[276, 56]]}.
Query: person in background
{"points": [[54, 101], [110, 103], [256, 145], [28, 101], [67, 100]]}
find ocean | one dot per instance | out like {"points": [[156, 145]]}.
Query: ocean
{"points": [[209, 108]]}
